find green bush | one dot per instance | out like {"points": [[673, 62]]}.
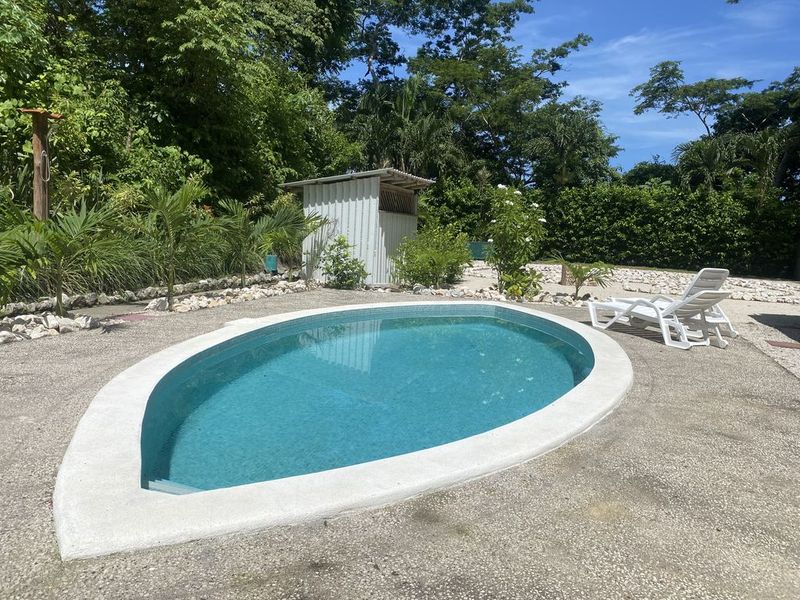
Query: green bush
{"points": [[344, 272], [437, 256], [662, 226], [458, 202]]}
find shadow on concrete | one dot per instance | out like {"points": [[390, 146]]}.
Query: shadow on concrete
{"points": [[114, 327], [650, 334], [788, 325]]}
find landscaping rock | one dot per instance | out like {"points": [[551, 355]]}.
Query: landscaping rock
{"points": [[6, 337], [51, 321], [67, 325], [159, 304], [45, 305], [102, 299], [15, 308], [87, 322], [41, 331]]}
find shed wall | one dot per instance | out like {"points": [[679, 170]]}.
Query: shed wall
{"points": [[351, 207], [393, 227]]}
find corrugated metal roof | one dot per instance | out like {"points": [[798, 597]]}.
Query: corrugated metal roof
{"points": [[392, 176]]}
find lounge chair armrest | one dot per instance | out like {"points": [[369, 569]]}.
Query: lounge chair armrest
{"points": [[628, 300], [632, 303], [647, 303]]}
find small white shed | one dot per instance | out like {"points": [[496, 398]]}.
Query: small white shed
{"points": [[375, 210]]}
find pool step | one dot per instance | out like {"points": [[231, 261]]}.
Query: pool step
{"points": [[170, 487]]}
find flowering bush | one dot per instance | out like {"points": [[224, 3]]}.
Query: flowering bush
{"points": [[344, 272], [517, 231]]}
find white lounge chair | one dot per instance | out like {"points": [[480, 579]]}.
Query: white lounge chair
{"points": [[710, 279], [686, 317]]}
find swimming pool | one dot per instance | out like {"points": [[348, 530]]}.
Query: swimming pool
{"points": [[144, 432], [340, 389]]}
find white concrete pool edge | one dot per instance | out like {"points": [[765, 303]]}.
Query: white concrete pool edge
{"points": [[100, 508]]}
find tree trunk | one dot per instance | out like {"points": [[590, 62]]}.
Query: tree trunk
{"points": [[170, 285]]}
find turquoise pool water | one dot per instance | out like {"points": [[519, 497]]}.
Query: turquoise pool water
{"points": [[339, 389]]}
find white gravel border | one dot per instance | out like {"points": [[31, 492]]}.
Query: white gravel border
{"points": [[100, 507]]}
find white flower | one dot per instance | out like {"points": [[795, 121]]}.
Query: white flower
{"points": [[518, 193], [509, 202], [542, 220], [500, 186], [527, 239], [490, 240], [494, 220], [534, 205]]}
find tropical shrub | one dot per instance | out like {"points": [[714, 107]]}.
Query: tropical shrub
{"points": [[438, 255], [288, 226], [343, 271], [77, 250], [522, 284], [516, 233]]}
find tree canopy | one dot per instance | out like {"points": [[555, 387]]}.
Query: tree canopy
{"points": [[242, 95]]}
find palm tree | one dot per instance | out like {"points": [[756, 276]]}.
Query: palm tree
{"points": [[708, 161], [243, 235], [178, 229]]}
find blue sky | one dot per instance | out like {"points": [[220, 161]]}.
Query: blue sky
{"points": [[756, 39]]}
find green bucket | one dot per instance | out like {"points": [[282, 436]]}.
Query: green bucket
{"points": [[271, 263]]}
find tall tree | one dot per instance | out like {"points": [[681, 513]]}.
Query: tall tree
{"points": [[668, 92]]}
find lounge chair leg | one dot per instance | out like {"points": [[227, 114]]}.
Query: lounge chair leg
{"points": [[718, 340], [683, 344], [728, 326], [596, 319]]}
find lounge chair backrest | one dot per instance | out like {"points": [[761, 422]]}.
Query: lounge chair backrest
{"points": [[706, 279], [694, 305]]}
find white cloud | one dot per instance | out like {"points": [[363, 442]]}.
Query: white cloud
{"points": [[761, 15]]}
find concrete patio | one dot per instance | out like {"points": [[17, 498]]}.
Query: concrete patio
{"points": [[688, 490]]}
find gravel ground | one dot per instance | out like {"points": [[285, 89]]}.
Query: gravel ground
{"points": [[660, 281], [688, 490]]}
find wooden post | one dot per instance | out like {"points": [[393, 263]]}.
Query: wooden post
{"points": [[41, 161]]}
